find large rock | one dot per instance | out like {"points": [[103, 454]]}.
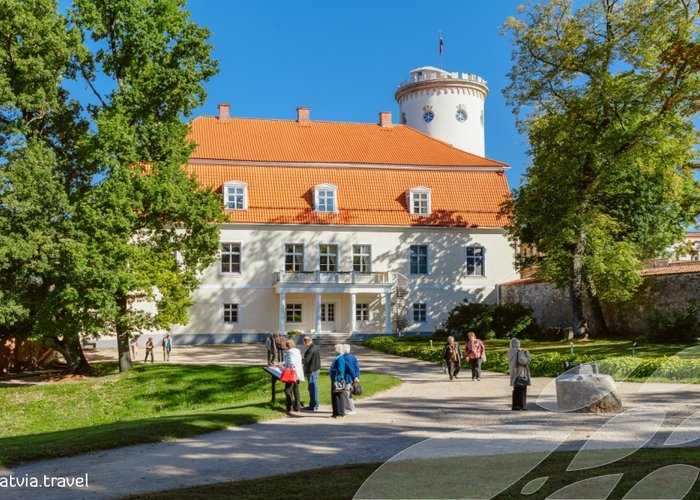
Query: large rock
{"points": [[587, 393]]}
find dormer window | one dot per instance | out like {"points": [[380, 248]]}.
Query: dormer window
{"points": [[419, 201], [235, 195], [326, 198]]}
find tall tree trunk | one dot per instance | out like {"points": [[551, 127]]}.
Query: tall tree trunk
{"points": [[123, 352], [72, 352], [578, 317], [597, 311]]}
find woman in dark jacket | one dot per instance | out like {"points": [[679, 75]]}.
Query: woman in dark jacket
{"points": [[452, 357], [337, 376]]}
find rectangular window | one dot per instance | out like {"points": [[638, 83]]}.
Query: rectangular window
{"points": [[231, 313], [293, 313], [475, 261], [293, 258], [328, 312], [361, 258], [418, 259], [235, 197], [421, 203], [361, 312], [328, 258], [420, 313], [326, 200], [230, 257]]}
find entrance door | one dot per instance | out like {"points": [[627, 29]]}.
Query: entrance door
{"points": [[327, 317]]}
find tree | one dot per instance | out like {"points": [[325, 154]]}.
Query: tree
{"points": [[129, 224], [606, 95]]}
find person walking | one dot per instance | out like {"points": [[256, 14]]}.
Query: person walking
{"points": [[352, 376], [312, 369], [292, 359], [519, 369], [167, 345], [149, 349], [476, 354], [134, 348], [280, 342], [452, 357], [337, 375], [271, 348]]}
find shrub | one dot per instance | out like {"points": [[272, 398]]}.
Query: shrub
{"points": [[679, 326], [490, 321]]}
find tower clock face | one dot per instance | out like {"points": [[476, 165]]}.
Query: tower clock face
{"points": [[428, 116], [461, 115]]}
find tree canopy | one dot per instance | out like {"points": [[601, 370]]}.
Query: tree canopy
{"points": [[606, 94], [97, 214]]}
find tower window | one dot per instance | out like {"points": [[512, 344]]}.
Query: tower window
{"points": [[428, 116]]}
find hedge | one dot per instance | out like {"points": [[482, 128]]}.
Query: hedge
{"points": [[663, 368]]}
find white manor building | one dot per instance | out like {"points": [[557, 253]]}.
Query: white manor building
{"points": [[351, 227]]}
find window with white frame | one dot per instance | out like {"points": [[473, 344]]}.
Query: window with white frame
{"points": [[361, 312], [231, 312], [328, 258], [475, 261], [362, 258], [293, 313], [231, 258], [420, 313], [326, 198], [235, 195], [419, 201], [293, 257], [418, 259]]}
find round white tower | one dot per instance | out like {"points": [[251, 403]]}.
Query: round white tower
{"points": [[445, 106]]}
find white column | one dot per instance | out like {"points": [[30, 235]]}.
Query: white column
{"points": [[353, 301], [318, 313], [283, 313], [387, 300]]}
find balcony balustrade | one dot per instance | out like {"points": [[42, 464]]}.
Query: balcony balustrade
{"points": [[342, 277]]}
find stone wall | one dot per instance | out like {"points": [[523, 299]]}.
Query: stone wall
{"points": [[659, 294]]}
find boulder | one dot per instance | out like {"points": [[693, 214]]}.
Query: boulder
{"points": [[587, 393]]}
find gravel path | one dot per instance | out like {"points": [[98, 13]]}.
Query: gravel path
{"points": [[425, 406]]}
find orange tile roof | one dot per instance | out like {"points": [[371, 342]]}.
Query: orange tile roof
{"points": [[366, 196], [249, 139], [373, 168], [673, 268]]}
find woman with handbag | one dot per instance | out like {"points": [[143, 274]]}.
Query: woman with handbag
{"points": [[292, 361], [519, 369], [337, 375]]}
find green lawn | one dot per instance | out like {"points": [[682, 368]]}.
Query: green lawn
{"points": [[594, 348], [147, 404], [344, 481]]}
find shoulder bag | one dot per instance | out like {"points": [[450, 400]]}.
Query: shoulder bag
{"points": [[289, 376]]}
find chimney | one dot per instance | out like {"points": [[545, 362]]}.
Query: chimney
{"points": [[303, 115], [385, 119], [224, 110]]}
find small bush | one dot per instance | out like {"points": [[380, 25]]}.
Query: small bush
{"points": [[679, 326], [491, 321]]}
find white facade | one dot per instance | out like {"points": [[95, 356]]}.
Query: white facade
{"points": [[388, 297], [445, 106]]}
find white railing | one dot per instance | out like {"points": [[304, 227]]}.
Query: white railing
{"points": [[428, 76], [342, 277]]}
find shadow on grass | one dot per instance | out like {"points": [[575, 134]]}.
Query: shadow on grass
{"points": [[18, 449]]}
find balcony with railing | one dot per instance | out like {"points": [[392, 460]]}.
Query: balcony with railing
{"points": [[341, 277]]}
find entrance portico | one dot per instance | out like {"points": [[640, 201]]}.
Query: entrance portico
{"points": [[326, 294]]}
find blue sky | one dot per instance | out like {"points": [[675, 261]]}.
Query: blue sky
{"points": [[344, 59]]}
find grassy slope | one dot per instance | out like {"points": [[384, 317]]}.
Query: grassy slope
{"points": [[147, 404]]}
